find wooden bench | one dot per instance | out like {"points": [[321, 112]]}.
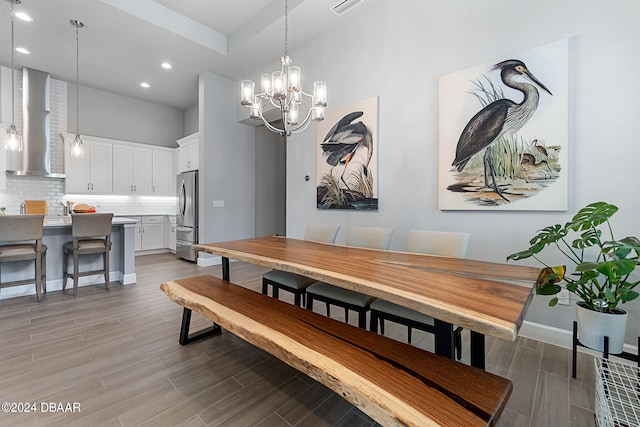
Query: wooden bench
{"points": [[393, 382]]}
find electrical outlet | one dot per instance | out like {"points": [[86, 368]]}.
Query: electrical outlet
{"points": [[564, 297]]}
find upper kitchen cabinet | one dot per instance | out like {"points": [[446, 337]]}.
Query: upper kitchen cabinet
{"points": [[188, 154], [132, 168], [91, 173], [164, 173]]}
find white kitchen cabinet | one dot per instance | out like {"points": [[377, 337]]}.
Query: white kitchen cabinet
{"points": [[132, 170], [138, 245], [152, 236], [92, 173], [188, 153], [170, 233], [164, 173]]}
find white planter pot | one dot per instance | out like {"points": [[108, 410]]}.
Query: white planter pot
{"points": [[594, 326]]}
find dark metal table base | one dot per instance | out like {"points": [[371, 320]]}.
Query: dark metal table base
{"points": [[185, 338]]}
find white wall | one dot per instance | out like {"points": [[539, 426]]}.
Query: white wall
{"points": [[108, 115], [398, 50], [227, 161], [190, 116]]}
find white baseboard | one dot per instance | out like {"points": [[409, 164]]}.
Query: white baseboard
{"points": [[559, 337], [208, 261]]}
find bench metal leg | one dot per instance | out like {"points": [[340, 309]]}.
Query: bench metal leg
{"points": [[185, 338], [477, 350]]}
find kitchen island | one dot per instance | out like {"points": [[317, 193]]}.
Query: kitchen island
{"points": [[57, 232]]}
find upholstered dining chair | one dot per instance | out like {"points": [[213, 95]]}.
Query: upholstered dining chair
{"points": [[295, 283], [442, 243], [21, 240], [363, 237], [91, 235]]}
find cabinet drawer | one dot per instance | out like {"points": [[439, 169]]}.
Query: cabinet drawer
{"points": [[156, 219]]}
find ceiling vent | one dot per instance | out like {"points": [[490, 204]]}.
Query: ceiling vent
{"points": [[345, 6]]}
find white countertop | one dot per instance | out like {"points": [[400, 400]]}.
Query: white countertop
{"points": [[65, 221]]}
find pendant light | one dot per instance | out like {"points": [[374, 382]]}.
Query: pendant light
{"points": [[283, 90], [77, 150], [13, 139]]}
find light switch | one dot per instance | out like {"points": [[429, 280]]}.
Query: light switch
{"points": [[218, 203]]}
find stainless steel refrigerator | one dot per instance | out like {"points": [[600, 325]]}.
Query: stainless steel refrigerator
{"points": [[187, 215]]}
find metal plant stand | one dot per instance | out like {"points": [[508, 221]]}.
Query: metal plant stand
{"points": [[605, 353]]}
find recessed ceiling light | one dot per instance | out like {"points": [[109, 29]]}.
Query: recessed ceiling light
{"points": [[24, 16], [22, 50], [166, 65], [145, 85]]}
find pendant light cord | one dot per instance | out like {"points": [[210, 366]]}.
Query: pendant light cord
{"points": [[13, 87], [77, 82]]}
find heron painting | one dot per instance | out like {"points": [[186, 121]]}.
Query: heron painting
{"points": [[347, 152], [506, 146]]}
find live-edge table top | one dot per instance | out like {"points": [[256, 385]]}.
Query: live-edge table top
{"points": [[488, 298]]}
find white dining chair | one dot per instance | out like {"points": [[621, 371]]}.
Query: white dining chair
{"points": [[442, 243], [295, 283], [363, 237]]}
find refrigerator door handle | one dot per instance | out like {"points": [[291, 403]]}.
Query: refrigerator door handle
{"points": [[182, 200]]}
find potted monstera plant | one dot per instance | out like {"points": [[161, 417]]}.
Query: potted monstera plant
{"points": [[602, 278]]}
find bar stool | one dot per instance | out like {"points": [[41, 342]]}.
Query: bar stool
{"points": [[91, 235], [16, 234]]}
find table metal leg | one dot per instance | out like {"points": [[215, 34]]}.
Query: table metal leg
{"points": [[477, 350], [443, 338], [225, 268]]}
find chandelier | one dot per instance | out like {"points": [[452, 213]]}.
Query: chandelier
{"points": [[13, 139], [283, 90], [76, 146]]}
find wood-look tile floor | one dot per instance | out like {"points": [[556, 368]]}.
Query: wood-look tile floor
{"points": [[115, 354]]}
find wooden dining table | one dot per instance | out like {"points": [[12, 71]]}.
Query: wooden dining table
{"points": [[489, 299]]}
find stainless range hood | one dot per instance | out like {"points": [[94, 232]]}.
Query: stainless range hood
{"points": [[36, 126]]}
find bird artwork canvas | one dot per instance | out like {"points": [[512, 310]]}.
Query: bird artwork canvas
{"points": [[347, 157], [504, 131]]}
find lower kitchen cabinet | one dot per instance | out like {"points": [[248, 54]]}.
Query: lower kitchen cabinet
{"points": [[150, 233], [170, 233]]}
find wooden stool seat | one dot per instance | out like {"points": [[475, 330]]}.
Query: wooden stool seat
{"points": [[15, 232], [84, 230]]}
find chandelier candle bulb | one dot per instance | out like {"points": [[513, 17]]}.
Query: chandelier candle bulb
{"points": [[320, 94], [317, 114], [254, 111], [294, 79], [265, 84], [246, 92], [278, 85], [292, 117]]}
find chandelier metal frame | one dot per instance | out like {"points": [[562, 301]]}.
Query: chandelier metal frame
{"points": [[283, 90]]}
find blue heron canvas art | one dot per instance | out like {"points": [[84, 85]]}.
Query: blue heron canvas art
{"points": [[506, 145], [347, 169]]}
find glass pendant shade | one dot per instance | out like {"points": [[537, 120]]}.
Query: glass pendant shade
{"points": [[13, 140], [320, 94], [76, 147], [247, 90]]}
